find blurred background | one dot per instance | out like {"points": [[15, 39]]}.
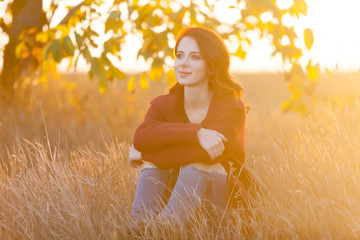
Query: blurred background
{"points": [[77, 77], [92, 66]]}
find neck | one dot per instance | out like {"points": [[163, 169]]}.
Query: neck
{"points": [[197, 96]]}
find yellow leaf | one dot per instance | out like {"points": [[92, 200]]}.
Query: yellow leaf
{"points": [[36, 52], [313, 71], [156, 73], [309, 38], [42, 37], [300, 7], [71, 85], [291, 86], [143, 81], [286, 106], [240, 53], [57, 75], [32, 30], [20, 49], [131, 85], [103, 85], [296, 95], [43, 78], [25, 54], [170, 77], [51, 66]]}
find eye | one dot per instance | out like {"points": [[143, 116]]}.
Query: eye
{"points": [[179, 55], [195, 57]]}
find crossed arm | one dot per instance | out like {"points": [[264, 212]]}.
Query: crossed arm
{"points": [[169, 144]]}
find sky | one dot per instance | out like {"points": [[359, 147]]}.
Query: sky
{"points": [[336, 46]]}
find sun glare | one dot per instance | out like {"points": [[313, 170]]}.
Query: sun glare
{"points": [[336, 43], [333, 22], [336, 35]]}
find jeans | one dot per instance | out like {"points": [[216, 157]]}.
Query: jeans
{"points": [[192, 187]]}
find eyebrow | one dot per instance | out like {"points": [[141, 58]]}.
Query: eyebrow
{"points": [[190, 52]]}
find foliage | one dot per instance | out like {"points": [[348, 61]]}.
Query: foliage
{"points": [[157, 23]]}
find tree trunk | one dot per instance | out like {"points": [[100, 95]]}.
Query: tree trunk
{"points": [[26, 14]]}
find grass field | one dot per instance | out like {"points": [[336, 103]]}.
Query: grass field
{"points": [[64, 172]]}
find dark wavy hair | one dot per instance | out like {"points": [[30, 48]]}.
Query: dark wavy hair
{"points": [[217, 58]]}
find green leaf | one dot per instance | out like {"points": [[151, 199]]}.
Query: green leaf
{"points": [[68, 46], [112, 46], [309, 38], [56, 50], [79, 40], [117, 73], [97, 67], [105, 60], [86, 53], [113, 22]]}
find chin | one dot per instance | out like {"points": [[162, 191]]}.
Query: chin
{"points": [[183, 82], [186, 83]]}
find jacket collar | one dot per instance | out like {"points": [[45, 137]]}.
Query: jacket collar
{"points": [[219, 104]]}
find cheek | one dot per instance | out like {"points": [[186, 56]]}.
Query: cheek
{"points": [[200, 67], [176, 64]]}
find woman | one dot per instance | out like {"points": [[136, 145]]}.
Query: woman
{"points": [[198, 127]]}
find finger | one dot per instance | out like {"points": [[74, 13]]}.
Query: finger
{"points": [[221, 136], [219, 147], [222, 147], [212, 155], [215, 152], [218, 151]]}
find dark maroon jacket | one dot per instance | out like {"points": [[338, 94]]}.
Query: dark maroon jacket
{"points": [[167, 139]]}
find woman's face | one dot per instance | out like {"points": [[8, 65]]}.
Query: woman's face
{"points": [[190, 67]]}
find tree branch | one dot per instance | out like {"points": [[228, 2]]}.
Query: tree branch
{"points": [[70, 13], [4, 27]]}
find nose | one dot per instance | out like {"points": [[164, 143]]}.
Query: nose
{"points": [[185, 61]]}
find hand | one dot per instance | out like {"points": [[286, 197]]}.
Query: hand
{"points": [[134, 157], [212, 142]]}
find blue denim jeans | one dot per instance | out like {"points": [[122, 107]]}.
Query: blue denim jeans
{"points": [[192, 187]]}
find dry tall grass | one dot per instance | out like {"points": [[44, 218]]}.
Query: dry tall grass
{"points": [[77, 183]]}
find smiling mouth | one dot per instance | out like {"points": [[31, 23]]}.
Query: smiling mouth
{"points": [[184, 74]]}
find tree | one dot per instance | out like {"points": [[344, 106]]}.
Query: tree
{"points": [[26, 15], [156, 23]]}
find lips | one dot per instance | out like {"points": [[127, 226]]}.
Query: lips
{"points": [[184, 74]]}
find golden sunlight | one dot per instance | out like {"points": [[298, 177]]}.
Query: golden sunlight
{"points": [[336, 43]]}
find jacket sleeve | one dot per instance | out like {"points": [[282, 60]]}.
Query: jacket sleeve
{"points": [[231, 124], [176, 156], [156, 133]]}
